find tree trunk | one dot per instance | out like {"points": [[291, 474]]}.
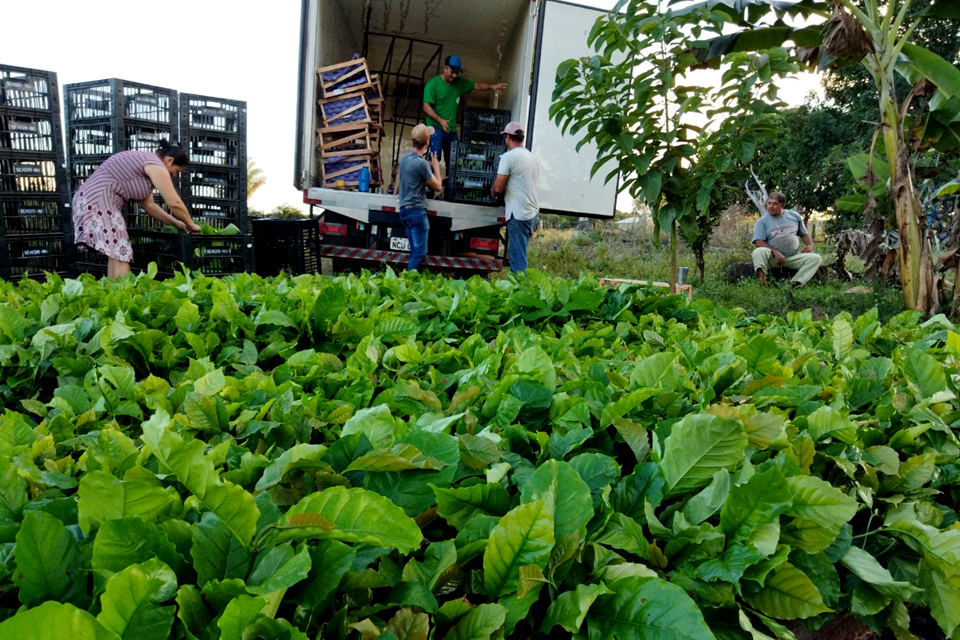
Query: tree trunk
{"points": [[916, 268], [673, 257]]}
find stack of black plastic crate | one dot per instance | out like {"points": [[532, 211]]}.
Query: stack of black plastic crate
{"points": [[108, 116], [474, 159], [213, 131], [34, 211]]}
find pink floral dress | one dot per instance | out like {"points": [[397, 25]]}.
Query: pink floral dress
{"points": [[98, 204]]}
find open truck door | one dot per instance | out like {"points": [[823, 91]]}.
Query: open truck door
{"points": [[566, 186]]}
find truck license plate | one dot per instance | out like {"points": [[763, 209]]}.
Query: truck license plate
{"points": [[399, 244]]}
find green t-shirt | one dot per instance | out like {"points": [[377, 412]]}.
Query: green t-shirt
{"points": [[445, 98]]}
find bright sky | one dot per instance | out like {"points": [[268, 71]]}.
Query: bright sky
{"points": [[220, 48]]}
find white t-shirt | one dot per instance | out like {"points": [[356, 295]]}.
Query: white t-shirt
{"points": [[523, 174]]}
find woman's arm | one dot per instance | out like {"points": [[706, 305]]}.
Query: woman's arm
{"points": [[160, 178], [155, 211]]}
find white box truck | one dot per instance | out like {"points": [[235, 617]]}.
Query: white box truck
{"points": [[520, 42]]}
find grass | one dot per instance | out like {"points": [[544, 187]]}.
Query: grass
{"points": [[608, 251]]}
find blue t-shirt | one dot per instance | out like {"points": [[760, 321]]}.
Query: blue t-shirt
{"points": [[781, 232], [412, 176]]}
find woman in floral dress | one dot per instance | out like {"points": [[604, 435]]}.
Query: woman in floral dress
{"points": [[129, 175]]}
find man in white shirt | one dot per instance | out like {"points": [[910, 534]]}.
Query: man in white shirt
{"points": [[517, 178]]}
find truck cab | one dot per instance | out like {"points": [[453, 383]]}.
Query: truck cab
{"points": [[404, 44]]}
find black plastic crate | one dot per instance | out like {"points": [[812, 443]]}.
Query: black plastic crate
{"points": [[475, 139], [90, 261], [115, 98], [214, 184], [217, 214], [229, 152], [472, 188], [23, 131], [80, 169], [33, 255], [20, 176], [211, 255], [106, 137], [480, 120], [32, 89], [219, 115], [33, 215], [290, 246], [475, 158]]}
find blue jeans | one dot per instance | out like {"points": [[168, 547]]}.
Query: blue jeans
{"points": [[441, 142], [518, 238], [418, 226]]}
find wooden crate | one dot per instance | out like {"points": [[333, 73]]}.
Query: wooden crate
{"points": [[363, 140], [374, 92], [684, 289], [344, 77], [349, 110], [346, 170]]}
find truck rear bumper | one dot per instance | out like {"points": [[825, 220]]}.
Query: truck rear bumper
{"points": [[398, 257]]}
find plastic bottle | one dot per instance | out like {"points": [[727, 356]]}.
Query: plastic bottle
{"points": [[365, 179]]}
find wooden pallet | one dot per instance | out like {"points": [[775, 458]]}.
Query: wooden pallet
{"points": [[357, 69], [684, 289], [363, 140], [349, 110], [338, 174]]}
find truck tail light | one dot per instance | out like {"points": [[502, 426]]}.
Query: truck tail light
{"points": [[333, 229], [487, 244]]}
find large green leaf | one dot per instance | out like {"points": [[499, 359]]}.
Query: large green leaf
{"points": [[49, 565], [646, 609], [55, 620], [103, 497], [522, 538], [479, 624], [939, 570], [758, 502], [408, 625], [330, 561], [923, 63], [788, 594], [458, 505], [350, 515], [239, 615], [761, 353], [278, 568], [818, 500], [565, 495], [399, 457], [867, 568], [698, 446], [217, 553], [828, 422], [120, 543], [130, 604], [235, 507], [570, 609], [924, 374]]}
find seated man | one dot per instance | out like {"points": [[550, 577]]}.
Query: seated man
{"points": [[777, 237]]}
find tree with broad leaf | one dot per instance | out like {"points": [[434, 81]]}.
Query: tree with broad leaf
{"points": [[879, 35], [631, 100]]}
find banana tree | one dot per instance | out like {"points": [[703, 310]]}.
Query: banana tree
{"points": [[876, 34], [632, 101]]}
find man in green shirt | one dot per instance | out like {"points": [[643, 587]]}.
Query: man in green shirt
{"points": [[441, 99]]}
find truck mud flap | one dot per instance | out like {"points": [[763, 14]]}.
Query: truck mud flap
{"points": [[398, 257]]}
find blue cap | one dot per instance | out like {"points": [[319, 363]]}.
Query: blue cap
{"points": [[454, 63]]}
